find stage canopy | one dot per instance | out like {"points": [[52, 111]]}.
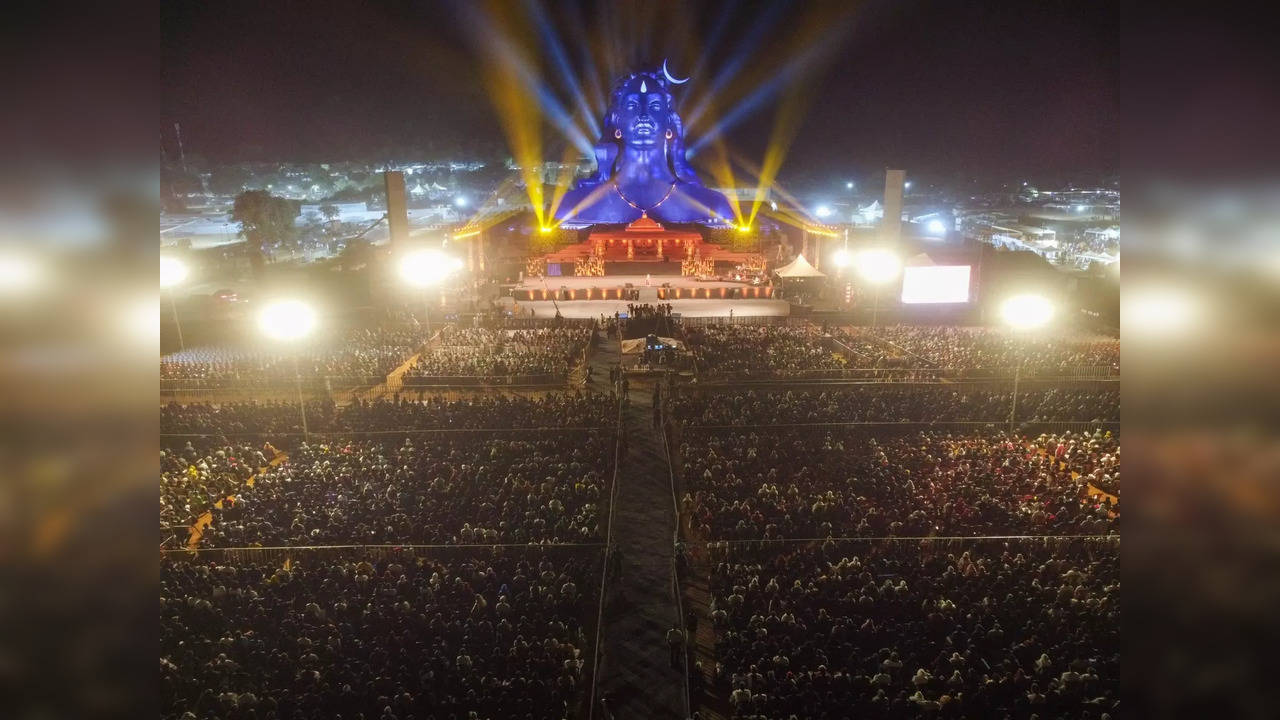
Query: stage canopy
{"points": [[798, 268]]}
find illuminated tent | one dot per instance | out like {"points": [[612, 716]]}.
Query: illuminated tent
{"points": [[798, 268], [636, 345]]}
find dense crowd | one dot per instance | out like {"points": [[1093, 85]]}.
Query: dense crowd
{"points": [[762, 351], [898, 403], [803, 483], [453, 488], [276, 420], [199, 472], [367, 637], [975, 347], [482, 352], [365, 355], [920, 629]]}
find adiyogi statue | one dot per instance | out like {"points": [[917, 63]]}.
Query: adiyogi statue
{"points": [[641, 163]]}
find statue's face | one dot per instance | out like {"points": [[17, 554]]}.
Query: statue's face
{"points": [[643, 117]]}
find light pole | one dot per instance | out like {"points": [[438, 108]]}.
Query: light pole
{"points": [[290, 320], [1024, 313], [877, 267], [172, 272], [424, 269]]}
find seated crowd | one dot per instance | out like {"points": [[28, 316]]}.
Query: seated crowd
{"points": [[920, 629], [480, 352], [366, 355], [275, 420], [802, 483], [210, 450], [977, 347], [897, 403], [762, 350], [496, 636], [457, 488]]}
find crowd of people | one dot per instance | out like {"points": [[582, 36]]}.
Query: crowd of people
{"points": [[899, 403], [642, 311], [920, 629], [277, 421], [197, 473], [803, 483], [387, 637], [484, 352], [450, 488], [762, 350], [977, 347], [853, 570], [364, 355]]}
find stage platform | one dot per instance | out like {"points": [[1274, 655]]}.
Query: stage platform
{"points": [[715, 307], [638, 281]]}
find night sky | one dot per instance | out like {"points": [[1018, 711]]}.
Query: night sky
{"points": [[955, 89]]}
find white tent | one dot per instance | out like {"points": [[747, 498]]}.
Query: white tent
{"points": [[798, 268]]}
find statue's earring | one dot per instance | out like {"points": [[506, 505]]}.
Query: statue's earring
{"points": [[670, 133], [618, 133]]}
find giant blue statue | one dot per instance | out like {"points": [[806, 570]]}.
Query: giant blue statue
{"points": [[641, 167]]}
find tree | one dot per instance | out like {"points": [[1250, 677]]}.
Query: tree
{"points": [[264, 218], [329, 212]]}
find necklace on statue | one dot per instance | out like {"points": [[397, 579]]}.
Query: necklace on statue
{"points": [[627, 200]]}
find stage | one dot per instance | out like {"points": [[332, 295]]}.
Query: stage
{"points": [[715, 307]]}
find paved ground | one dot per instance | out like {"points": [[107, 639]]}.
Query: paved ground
{"points": [[640, 604]]}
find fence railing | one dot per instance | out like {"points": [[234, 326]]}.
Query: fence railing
{"points": [[373, 552], [1098, 373], [744, 320]]}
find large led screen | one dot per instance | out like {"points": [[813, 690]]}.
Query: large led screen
{"points": [[935, 284]]}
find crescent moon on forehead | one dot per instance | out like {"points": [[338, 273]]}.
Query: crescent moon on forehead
{"points": [[671, 79]]}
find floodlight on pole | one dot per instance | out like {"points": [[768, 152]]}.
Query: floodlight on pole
{"points": [[290, 320], [425, 268], [877, 267], [1026, 312], [172, 272], [287, 320]]}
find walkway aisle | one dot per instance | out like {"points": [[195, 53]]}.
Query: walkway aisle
{"points": [[640, 606]]}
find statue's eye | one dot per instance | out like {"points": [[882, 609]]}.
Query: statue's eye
{"points": [[632, 105]]}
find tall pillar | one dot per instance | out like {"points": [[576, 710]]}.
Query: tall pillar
{"points": [[397, 214], [891, 224]]}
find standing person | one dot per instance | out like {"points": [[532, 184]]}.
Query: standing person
{"points": [[675, 640], [730, 313]]}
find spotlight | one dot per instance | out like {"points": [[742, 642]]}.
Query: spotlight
{"points": [[287, 320], [823, 211], [937, 227], [1026, 312], [842, 258], [460, 201], [849, 185], [544, 230], [424, 268], [877, 266], [172, 271], [744, 228]]}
